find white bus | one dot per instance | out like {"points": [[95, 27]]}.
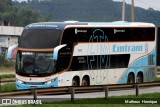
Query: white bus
{"points": [[54, 54]]}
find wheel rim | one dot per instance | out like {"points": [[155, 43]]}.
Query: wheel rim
{"points": [[130, 79], [74, 83], [139, 79], [85, 82]]}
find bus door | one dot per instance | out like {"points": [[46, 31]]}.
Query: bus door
{"points": [[62, 57]]}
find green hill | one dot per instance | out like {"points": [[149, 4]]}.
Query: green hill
{"points": [[89, 10]]}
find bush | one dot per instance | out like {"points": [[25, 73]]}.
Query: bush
{"points": [[5, 63]]}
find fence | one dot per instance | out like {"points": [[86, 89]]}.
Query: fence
{"points": [[73, 90]]}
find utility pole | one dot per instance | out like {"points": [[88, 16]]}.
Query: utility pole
{"points": [[123, 10], [132, 13]]}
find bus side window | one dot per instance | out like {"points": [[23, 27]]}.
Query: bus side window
{"points": [[119, 61]]}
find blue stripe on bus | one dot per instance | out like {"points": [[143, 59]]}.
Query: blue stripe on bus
{"points": [[20, 86], [143, 66]]}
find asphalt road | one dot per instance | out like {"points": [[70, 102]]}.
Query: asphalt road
{"points": [[98, 94]]}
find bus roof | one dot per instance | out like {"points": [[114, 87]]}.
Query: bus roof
{"points": [[62, 25]]}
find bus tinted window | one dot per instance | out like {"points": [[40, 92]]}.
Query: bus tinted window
{"points": [[100, 62], [72, 35], [38, 39]]}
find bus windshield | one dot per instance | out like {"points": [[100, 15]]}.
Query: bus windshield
{"points": [[34, 64]]}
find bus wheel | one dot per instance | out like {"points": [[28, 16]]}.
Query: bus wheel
{"points": [[139, 78], [75, 81], [130, 79], [85, 81]]}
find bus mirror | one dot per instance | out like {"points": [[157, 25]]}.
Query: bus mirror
{"points": [[11, 54], [56, 50]]}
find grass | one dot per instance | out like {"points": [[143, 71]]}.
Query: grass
{"points": [[158, 68], [157, 79], [8, 87], [100, 102], [7, 69], [4, 76]]}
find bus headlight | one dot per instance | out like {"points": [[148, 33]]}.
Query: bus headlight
{"points": [[48, 82], [54, 79], [21, 82]]}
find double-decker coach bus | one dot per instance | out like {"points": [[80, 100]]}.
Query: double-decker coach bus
{"points": [[53, 54]]}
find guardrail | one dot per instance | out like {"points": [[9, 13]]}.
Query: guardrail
{"points": [[7, 80], [74, 90]]}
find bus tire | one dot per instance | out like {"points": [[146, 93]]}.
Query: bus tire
{"points": [[75, 81], [85, 81], [130, 79], [139, 78]]}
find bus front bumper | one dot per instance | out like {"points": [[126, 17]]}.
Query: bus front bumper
{"points": [[21, 86]]}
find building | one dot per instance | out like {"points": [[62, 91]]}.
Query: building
{"points": [[8, 37]]}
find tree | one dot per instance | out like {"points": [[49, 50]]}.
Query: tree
{"points": [[27, 16], [19, 17]]}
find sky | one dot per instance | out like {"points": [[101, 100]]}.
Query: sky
{"points": [[155, 4]]}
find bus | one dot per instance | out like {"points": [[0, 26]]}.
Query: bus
{"points": [[55, 54]]}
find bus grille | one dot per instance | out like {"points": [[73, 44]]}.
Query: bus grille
{"points": [[35, 83]]}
